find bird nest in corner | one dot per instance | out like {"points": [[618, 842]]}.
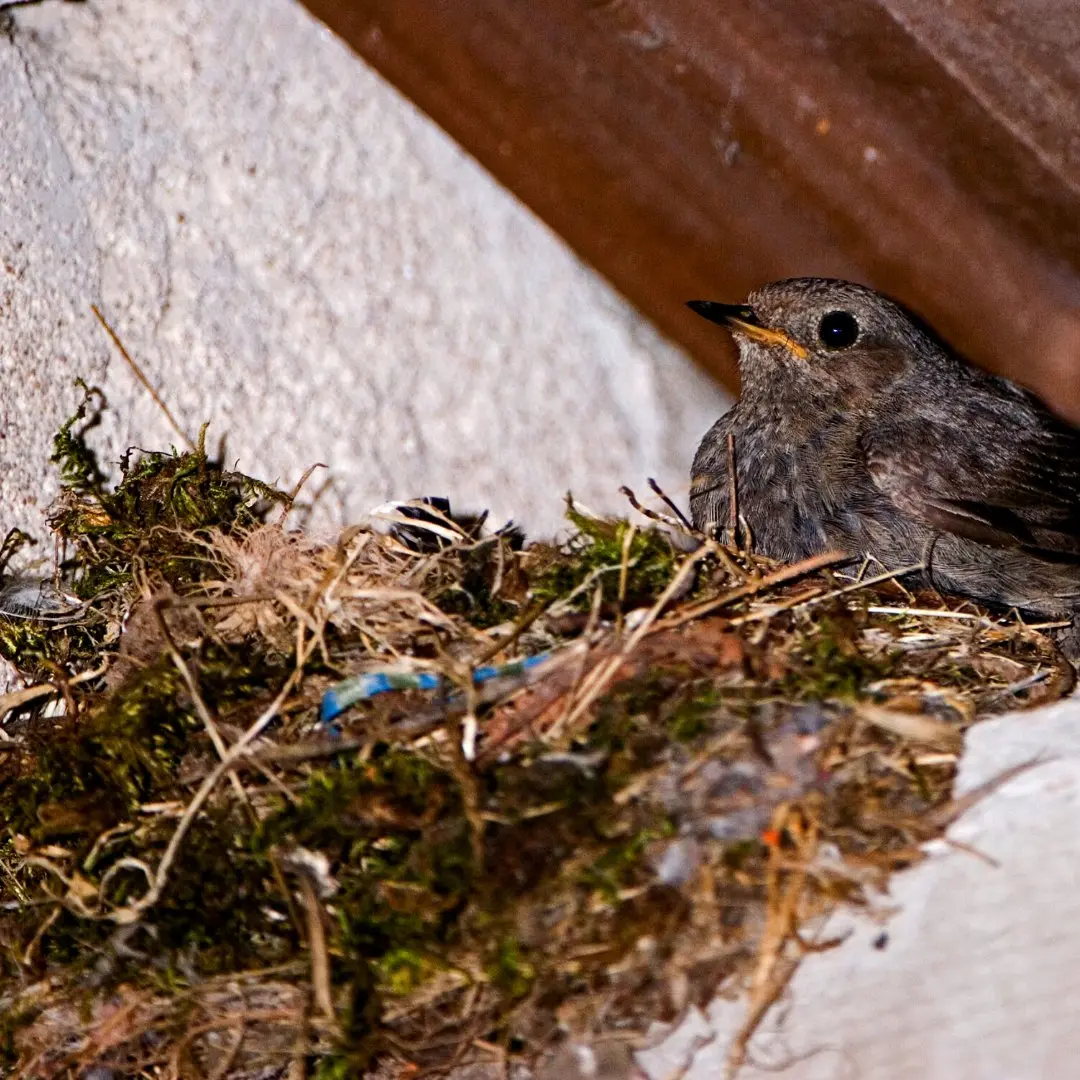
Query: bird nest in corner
{"points": [[429, 795]]}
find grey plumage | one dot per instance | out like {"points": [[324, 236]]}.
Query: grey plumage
{"points": [[892, 445]]}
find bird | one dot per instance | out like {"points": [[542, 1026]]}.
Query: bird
{"points": [[859, 430]]}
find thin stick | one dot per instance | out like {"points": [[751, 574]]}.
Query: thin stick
{"points": [[526, 620], [133, 912], [142, 377], [774, 969], [733, 492], [729, 564], [876, 580], [800, 604], [320, 956], [928, 613], [201, 707], [208, 721], [943, 816], [659, 492], [298, 487], [624, 575], [581, 678], [652, 515], [777, 577], [771, 610], [17, 698]]}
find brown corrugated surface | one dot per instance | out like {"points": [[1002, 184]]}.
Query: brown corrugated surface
{"points": [[695, 148]]}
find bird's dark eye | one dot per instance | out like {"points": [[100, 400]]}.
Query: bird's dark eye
{"points": [[838, 330]]}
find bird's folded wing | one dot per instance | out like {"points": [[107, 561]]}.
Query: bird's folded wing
{"points": [[996, 481], [709, 483]]}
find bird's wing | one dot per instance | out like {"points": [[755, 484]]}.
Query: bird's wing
{"points": [[1007, 478], [709, 483]]}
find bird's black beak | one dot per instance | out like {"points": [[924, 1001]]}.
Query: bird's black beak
{"points": [[724, 314], [743, 320]]}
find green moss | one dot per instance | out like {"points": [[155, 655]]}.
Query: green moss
{"points": [[511, 972], [216, 914], [154, 515], [829, 664], [121, 754], [594, 554], [214, 917], [402, 970], [617, 867], [153, 522], [692, 710], [394, 830], [127, 749], [78, 464], [338, 1066], [40, 650]]}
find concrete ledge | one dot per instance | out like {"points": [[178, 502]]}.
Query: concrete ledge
{"points": [[979, 973]]}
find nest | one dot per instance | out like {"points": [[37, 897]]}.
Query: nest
{"points": [[564, 790]]}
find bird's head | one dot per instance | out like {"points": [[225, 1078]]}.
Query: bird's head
{"points": [[833, 336]]}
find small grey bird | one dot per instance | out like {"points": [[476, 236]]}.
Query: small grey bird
{"points": [[858, 429]]}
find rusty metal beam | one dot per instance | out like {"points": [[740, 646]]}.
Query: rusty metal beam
{"points": [[688, 148]]}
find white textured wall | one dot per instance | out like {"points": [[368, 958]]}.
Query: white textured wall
{"points": [[295, 254]]}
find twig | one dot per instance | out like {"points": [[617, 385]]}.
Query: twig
{"points": [[17, 698], [733, 492], [943, 816], [659, 492], [729, 564], [563, 603], [624, 575], [580, 678], [320, 955], [652, 515], [927, 613], [39, 933], [527, 619], [298, 487], [864, 584], [201, 708], [500, 569], [134, 911], [774, 970], [220, 746], [308, 751], [139, 374], [777, 577], [1020, 686]]}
